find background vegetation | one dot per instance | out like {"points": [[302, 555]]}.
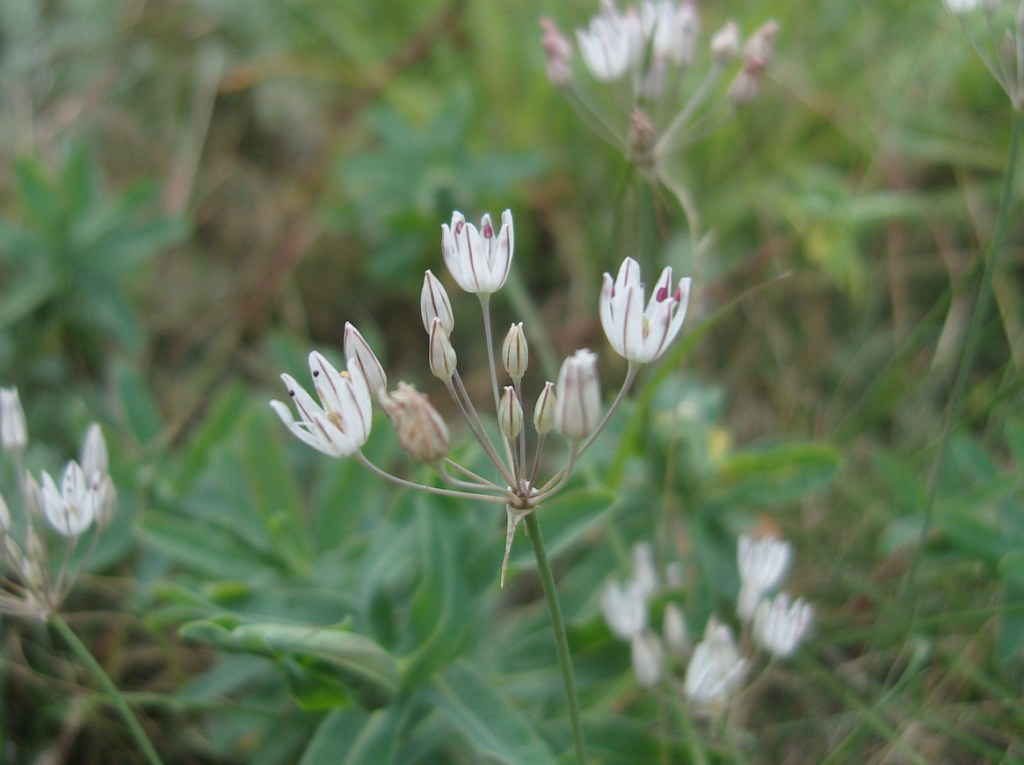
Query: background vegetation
{"points": [[194, 193]]}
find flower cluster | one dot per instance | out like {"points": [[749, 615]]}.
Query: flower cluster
{"points": [[715, 666], [85, 497], [641, 56], [478, 260]]}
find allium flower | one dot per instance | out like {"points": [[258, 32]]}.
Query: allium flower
{"points": [[763, 564], [13, 430], [637, 333], [340, 426], [780, 626], [365, 360], [624, 608], [673, 626], [578, 408], [478, 260], [435, 304], [613, 43], [672, 30], [72, 509], [715, 668], [966, 6], [648, 658]]}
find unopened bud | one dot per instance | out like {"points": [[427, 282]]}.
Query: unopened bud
{"points": [[420, 428], [674, 626], [758, 49], [442, 355], [510, 413], [13, 430], [357, 350], [578, 409], [544, 411], [434, 303], [648, 658], [105, 498], [515, 353], [725, 45], [558, 51], [94, 451], [5, 516]]}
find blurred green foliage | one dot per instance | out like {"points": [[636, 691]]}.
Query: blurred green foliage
{"points": [[264, 604]]}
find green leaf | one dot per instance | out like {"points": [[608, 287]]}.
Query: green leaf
{"points": [[361, 666], [438, 614], [199, 547], [353, 737], [776, 474], [140, 407], [490, 725], [272, 487]]}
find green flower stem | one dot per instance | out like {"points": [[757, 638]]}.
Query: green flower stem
{"points": [[113, 694], [561, 639], [994, 250]]}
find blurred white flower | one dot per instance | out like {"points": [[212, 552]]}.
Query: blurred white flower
{"points": [[624, 608], [613, 44], [763, 564], [673, 626], [648, 658], [13, 430], [715, 668], [781, 626], [966, 6], [71, 509]]}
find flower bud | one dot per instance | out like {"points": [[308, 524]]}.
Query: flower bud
{"points": [[544, 411], [358, 350], [515, 352], [725, 45], [442, 355], [94, 452], [510, 413], [5, 516], [420, 428], [648, 658], [13, 430], [558, 52], [434, 303], [578, 409], [674, 626]]}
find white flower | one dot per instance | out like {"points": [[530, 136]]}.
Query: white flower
{"points": [[613, 44], [342, 424], [780, 626], [578, 404], [763, 564], [365, 360], [94, 452], [478, 260], [645, 577], [716, 667], [72, 508], [13, 430], [966, 6], [648, 658], [673, 625], [434, 303], [642, 334], [671, 29], [624, 609]]}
